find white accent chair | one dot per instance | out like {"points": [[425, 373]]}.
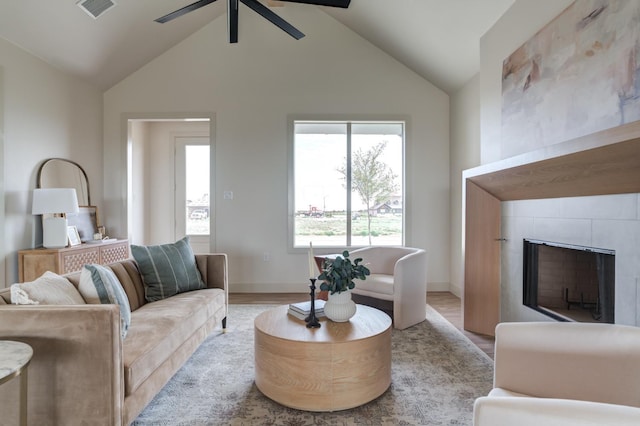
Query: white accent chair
{"points": [[563, 374], [510, 411], [399, 278]]}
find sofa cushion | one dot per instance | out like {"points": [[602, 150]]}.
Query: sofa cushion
{"points": [[48, 289], [158, 329], [99, 284], [167, 269]]}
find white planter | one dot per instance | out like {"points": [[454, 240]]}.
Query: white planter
{"points": [[340, 307]]}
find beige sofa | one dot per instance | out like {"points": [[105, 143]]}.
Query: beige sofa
{"points": [[550, 373], [84, 373]]}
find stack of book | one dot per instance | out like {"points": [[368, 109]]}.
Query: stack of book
{"points": [[301, 310]]}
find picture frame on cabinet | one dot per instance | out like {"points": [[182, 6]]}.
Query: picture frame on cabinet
{"points": [[86, 220], [73, 236]]}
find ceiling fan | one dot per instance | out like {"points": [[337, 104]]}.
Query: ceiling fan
{"points": [[255, 5]]}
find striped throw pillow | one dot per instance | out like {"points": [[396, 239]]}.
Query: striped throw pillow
{"points": [[99, 284], [167, 269]]}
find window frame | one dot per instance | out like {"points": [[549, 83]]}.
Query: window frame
{"points": [[347, 119]]}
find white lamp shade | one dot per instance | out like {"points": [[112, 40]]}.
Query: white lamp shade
{"points": [[54, 201]]}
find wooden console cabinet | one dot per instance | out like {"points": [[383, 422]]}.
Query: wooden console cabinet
{"points": [[33, 263]]}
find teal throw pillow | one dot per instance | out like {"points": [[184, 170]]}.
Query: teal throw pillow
{"points": [[99, 284], [167, 269]]}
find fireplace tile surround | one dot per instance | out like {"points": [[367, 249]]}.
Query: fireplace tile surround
{"points": [[607, 221]]}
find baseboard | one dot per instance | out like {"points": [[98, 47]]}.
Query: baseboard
{"points": [[438, 287], [300, 287], [269, 287], [457, 291]]}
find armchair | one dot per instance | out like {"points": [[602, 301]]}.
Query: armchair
{"points": [[526, 411], [563, 373], [398, 283]]}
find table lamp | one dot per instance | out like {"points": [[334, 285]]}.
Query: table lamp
{"points": [[57, 202]]}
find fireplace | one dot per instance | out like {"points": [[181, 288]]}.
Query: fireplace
{"points": [[606, 163], [568, 282]]}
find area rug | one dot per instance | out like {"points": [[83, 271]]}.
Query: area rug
{"points": [[436, 375]]}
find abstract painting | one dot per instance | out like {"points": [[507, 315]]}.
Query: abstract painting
{"points": [[578, 75]]}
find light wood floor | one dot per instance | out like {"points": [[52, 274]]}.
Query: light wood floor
{"points": [[447, 304]]}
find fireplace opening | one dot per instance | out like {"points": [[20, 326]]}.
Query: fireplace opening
{"points": [[568, 282]]}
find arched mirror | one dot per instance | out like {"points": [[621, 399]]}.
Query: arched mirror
{"points": [[61, 173]]}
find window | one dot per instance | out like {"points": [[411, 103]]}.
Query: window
{"points": [[347, 183]]}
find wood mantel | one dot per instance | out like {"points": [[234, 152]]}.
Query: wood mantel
{"points": [[603, 163], [607, 162]]}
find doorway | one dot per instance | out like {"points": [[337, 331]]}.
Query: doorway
{"points": [[157, 187]]}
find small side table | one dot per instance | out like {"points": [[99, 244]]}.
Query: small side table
{"points": [[14, 361]]}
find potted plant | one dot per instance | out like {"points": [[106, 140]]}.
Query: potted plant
{"points": [[337, 278]]}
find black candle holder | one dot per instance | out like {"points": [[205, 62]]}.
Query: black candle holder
{"points": [[312, 321]]}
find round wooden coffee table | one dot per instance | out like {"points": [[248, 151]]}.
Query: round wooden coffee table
{"points": [[334, 367]]}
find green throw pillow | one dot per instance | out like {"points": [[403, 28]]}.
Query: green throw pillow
{"points": [[167, 269], [100, 285]]}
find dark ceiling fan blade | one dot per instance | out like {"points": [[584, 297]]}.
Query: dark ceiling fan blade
{"points": [[332, 3], [265, 12], [178, 13], [232, 20]]}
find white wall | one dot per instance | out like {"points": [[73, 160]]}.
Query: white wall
{"points": [[139, 201], [252, 87], [46, 114], [611, 222], [465, 154], [3, 248]]}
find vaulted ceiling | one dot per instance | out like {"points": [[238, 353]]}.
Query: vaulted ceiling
{"points": [[437, 39]]}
